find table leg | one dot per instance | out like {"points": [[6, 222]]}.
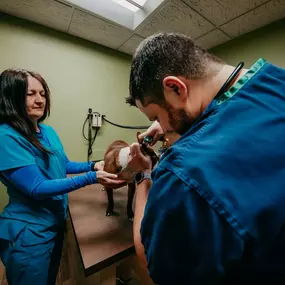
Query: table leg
{"points": [[108, 276]]}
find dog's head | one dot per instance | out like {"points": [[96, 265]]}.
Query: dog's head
{"points": [[117, 156]]}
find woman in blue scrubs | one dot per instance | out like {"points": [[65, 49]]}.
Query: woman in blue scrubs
{"points": [[33, 167]]}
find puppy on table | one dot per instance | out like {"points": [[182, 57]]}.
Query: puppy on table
{"points": [[115, 161]]}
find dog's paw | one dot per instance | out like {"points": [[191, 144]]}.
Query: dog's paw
{"points": [[130, 214], [109, 213]]}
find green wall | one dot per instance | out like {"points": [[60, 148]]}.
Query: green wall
{"points": [[267, 42], [81, 75]]}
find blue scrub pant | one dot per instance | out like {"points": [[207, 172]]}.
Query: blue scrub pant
{"points": [[31, 265]]}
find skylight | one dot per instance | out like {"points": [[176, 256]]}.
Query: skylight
{"points": [[133, 5]]}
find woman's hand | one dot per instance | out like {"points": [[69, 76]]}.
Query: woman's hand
{"points": [[137, 161], [99, 165], [155, 131], [109, 180]]}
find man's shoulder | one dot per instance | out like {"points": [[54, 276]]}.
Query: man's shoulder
{"points": [[177, 157], [172, 171]]}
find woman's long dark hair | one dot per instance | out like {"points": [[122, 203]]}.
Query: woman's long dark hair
{"points": [[13, 92]]}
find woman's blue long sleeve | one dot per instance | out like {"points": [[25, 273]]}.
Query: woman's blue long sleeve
{"points": [[31, 182], [78, 167]]}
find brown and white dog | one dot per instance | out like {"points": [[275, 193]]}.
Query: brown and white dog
{"points": [[115, 161]]}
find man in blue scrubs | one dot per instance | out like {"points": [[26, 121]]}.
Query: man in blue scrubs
{"points": [[213, 210]]}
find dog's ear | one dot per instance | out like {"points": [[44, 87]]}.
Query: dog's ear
{"points": [[138, 133]]}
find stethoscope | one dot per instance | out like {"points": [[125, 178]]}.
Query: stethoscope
{"points": [[229, 81]]}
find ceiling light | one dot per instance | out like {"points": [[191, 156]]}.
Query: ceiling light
{"points": [[133, 5]]}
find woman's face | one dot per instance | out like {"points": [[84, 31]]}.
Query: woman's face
{"points": [[35, 99]]}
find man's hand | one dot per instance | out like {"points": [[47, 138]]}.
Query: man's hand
{"points": [[99, 165], [137, 161], [109, 180], [155, 131]]}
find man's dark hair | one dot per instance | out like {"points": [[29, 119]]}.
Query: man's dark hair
{"points": [[13, 93], [161, 55]]}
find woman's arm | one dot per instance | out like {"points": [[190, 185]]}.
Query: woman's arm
{"points": [[80, 167], [31, 182], [18, 166]]}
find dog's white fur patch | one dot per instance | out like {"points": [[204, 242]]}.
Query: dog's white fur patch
{"points": [[124, 156], [125, 173]]}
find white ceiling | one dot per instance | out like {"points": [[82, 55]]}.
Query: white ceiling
{"points": [[209, 22]]}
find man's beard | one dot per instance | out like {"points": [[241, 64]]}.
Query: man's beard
{"points": [[179, 120]]}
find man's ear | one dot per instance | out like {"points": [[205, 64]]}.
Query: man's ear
{"points": [[175, 90]]}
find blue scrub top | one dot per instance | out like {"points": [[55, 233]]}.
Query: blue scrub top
{"points": [[41, 219], [216, 210]]}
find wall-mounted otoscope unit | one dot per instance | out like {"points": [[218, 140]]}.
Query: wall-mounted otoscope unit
{"points": [[95, 120]]}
